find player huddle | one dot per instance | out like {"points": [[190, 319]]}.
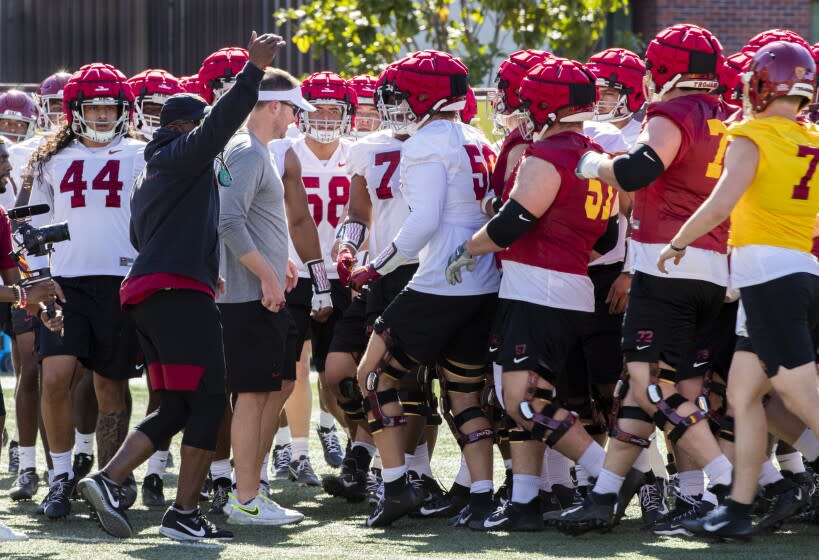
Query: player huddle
{"points": [[522, 293]]}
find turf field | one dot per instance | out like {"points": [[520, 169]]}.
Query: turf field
{"points": [[333, 529]]}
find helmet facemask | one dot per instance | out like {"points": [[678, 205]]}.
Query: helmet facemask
{"points": [[16, 137], [145, 121], [325, 130], [50, 119], [86, 128], [606, 110], [366, 122]]}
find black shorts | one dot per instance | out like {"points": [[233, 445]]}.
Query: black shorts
{"points": [[665, 315], [255, 341], [352, 332], [537, 338], [597, 359], [320, 334], [429, 327], [23, 322], [6, 322], [96, 330], [782, 315], [715, 348], [181, 337]]}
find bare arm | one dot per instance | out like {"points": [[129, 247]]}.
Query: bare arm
{"points": [[300, 222]]}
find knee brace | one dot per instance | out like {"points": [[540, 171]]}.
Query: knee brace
{"points": [[433, 418], [619, 411], [375, 399], [353, 408], [202, 427], [667, 413], [726, 428], [518, 435], [413, 401], [544, 422], [456, 422]]}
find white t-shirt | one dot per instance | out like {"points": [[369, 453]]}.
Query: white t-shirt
{"points": [[757, 264]]}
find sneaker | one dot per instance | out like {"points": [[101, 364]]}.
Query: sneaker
{"points": [[260, 511], [596, 512], [394, 506], [652, 505], [447, 504], [81, 466], [480, 507], [207, 486], [9, 534], [283, 515], [129, 492], [333, 453], [687, 508], [462, 517], [375, 486], [786, 500], [58, 501], [350, 483], [191, 527], [221, 489], [153, 491], [14, 457], [721, 524], [105, 499], [26, 485], [301, 472], [281, 460], [434, 497], [264, 488], [515, 517]]}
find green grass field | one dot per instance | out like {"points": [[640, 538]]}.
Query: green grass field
{"points": [[334, 529]]}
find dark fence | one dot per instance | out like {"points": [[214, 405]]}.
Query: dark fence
{"points": [[38, 37]]}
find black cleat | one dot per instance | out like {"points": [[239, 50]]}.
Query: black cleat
{"points": [[631, 486], [447, 504], [504, 493], [14, 457], [58, 501], [105, 500], [687, 508], [350, 483], [480, 507], [393, 506], [221, 489], [153, 494], [129, 492], [191, 527], [786, 499], [81, 466], [26, 485], [721, 524], [333, 453], [515, 517], [375, 486], [652, 505], [435, 498], [595, 513], [207, 486]]}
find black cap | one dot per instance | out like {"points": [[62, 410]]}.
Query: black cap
{"points": [[183, 107]]}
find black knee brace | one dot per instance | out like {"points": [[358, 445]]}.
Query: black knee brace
{"points": [[354, 407], [202, 427], [413, 401], [457, 421], [376, 399], [544, 422], [726, 428], [619, 411], [666, 412], [518, 434]]}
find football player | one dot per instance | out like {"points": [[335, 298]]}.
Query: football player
{"points": [[218, 73], [18, 115], [367, 117]]}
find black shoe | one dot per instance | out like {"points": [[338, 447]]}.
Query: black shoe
{"points": [[81, 467], [435, 498], [722, 524], [631, 486], [58, 501], [394, 505], [191, 527], [14, 457], [447, 504], [564, 495], [480, 507], [375, 486], [350, 483], [105, 499], [504, 493], [170, 463], [596, 512], [687, 508], [281, 460], [207, 486], [153, 494], [652, 505], [221, 489], [333, 453], [129, 492], [786, 500], [515, 517], [301, 472], [26, 485]]}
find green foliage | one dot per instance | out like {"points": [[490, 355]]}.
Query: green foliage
{"points": [[364, 36]]}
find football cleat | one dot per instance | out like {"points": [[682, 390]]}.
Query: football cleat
{"points": [[105, 500], [350, 483], [375, 486], [221, 490], [722, 524], [58, 501], [9, 534], [333, 454], [26, 485], [515, 517], [81, 466], [301, 472], [153, 491], [596, 512], [191, 527], [652, 505], [14, 457], [504, 493], [687, 508], [129, 492], [394, 506], [786, 499]]}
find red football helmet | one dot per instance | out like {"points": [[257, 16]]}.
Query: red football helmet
{"points": [[192, 84], [366, 117], [683, 55], [151, 88], [506, 106], [621, 70], [97, 84], [327, 90], [556, 90], [219, 69], [779, 69], [769, 36], [18, 115], [730, 76], [385, 100], [470, 109], [51, 89]]}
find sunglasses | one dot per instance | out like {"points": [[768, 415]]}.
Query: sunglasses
{"points": [[293, 107]]}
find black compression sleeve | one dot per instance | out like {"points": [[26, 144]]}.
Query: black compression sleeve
{"points": [[510, 223], [638, 168], [608, 240]]}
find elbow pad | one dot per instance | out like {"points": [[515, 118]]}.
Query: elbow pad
{"points": [[510, 223], [638, 168], [608, 240]]}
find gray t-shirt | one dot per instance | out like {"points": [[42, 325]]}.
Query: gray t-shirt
{"points": [[251, 217]]}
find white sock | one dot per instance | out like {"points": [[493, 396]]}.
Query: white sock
{"points": [[299, 448], [263, 476], [371, 449], [28, 458], [393, 473], [377, 460], [719, 471], [507, 463], [463, 478], [157, 463], [545, 481], [710, 497], [692, 483], [768, 474], [419, 461], [643, 462], [326, 420], [593, 458], [807, 445], [791, 462], [559, 466], [283, 436], [83, 443], [481, 487], [524, 488], [62, 463], [50, 477], [607, 483], [220, 469]]}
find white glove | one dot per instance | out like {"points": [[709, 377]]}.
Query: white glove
{"points": [[320, 301], [589, 165], [458, 260]]}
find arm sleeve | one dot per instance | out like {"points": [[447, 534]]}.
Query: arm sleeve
{"points": [[425, 194], [608, 240], [236, 199]]}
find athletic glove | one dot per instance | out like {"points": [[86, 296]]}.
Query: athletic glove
{"points": [[344, 265], [362, 276], [589, 165], [458, 260]]}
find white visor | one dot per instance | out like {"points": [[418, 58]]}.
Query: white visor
{"points": [[291, 95]]}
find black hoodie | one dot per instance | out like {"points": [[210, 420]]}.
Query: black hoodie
{"points": [[175, 201]]}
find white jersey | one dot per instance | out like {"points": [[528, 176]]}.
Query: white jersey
{"points": [[278, 149], [19, 156], [328, 188], [466, 156], [377, 157], [90, 188]]}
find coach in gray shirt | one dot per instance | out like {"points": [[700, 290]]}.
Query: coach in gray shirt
{"points": [[254, 231]]}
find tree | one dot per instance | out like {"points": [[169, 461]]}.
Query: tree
{"points": [[365, 35]]}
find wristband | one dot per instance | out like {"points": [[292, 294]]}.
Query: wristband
{"points": [[353, 234], [23, 297], [318, 276], [676, 249]]}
